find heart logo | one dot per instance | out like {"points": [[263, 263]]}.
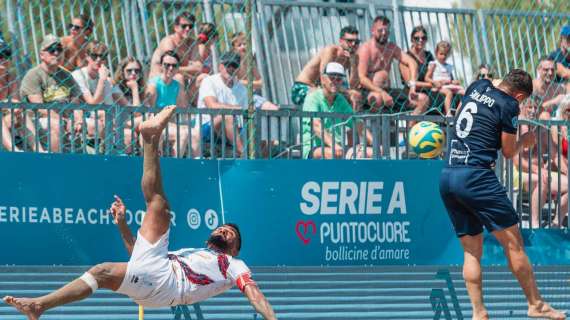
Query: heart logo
{"points": [[303, 230]]}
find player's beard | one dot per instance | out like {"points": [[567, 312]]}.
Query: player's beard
{"points": [[219, 242]]}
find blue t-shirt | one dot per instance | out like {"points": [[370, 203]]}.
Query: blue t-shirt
{"points": [[559, 57], [166, 94], [486, 112]]}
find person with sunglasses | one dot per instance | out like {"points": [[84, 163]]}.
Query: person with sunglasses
{"points": [[96, 87], [220, 91], [375, 61], [484, 71], [129, 83], [328, 138], [549, 91], [50, 83], [74, 45], [166, 90], [344, 53], [423, 57], [186, 46]]}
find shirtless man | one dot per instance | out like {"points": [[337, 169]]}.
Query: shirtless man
{"points": [[74, 45], [343, 53], [9, 93], [375, 60], [550, 92], [186, 47], [166, 278]]}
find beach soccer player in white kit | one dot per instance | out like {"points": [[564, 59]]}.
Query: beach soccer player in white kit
{"points": [[154, 277]]}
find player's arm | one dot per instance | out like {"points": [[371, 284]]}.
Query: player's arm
{"points": [[512, 146], [118, 211], [258, 300]]}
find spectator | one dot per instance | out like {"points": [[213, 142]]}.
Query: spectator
{"points": [[440, 74], [534, 170], [221, 91], [129, 82], [422, 57], [239, 47], [207, 37], [550, 92], [13, 120], [74, 45], [344, 53], [164, 90], [325, 137], [562, 57], [484, 71], [48, 83], [186, 47], [375, 60], [95, 85]]}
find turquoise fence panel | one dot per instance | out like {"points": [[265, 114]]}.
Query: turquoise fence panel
{"points": [[53, 210]]}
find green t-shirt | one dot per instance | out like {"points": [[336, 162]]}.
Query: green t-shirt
{"points": [[316, 102], [54, 87]]}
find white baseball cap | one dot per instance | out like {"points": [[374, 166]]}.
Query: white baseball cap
{"points": [[335, 69]]}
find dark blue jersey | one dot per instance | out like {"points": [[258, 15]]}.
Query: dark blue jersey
{"points": [[486, 112]]}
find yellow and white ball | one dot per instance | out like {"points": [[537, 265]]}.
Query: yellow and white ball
{"points": [[426, 139]]}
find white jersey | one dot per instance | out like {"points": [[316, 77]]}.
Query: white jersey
{"points": [[158, 278], [203, 273]]}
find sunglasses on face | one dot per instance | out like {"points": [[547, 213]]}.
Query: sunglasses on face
{"points": [[418, 39], [94, 56], [135, 71], [55, 49], [335, 78], [170, 65], [74, 26], [186, 26], [354, 41], [231, 66], [485, 76]]}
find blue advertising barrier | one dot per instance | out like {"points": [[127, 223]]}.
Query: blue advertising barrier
{"points": [[54, 210]]}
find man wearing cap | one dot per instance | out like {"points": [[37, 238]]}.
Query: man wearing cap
{"points": [[165, 90], [375, 60], [562, 57], [220, 91], [325, 137], [48, 83], [344, 53]]}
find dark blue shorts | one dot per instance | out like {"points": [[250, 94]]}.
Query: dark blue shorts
{"points": [[474, 198]]}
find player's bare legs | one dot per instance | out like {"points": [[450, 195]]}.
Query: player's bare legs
{"points": [[520, 266], [473, 250], [157, 219], [106, 275]]}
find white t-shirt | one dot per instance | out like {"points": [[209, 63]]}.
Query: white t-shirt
{"points": [[203, 273], [442, 71], [88, 85], [214, 86]]}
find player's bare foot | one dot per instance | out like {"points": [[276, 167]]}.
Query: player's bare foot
{"points": [[483, 315], [545, 311], [30, 307], [154, 126]]}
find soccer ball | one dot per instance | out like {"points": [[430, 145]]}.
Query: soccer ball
{"points": [[426, 139]]}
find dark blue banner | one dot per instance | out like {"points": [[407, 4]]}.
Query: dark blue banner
{"points": [[54, 210]]}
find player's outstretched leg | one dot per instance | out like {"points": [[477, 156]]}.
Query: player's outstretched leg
{"points": [[511, 240], [106, 275], [157, 219]]}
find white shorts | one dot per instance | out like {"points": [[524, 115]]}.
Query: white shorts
{"points": [[150, 279]]}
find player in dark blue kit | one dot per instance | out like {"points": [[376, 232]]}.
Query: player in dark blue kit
{"points": [[474, 198]]}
